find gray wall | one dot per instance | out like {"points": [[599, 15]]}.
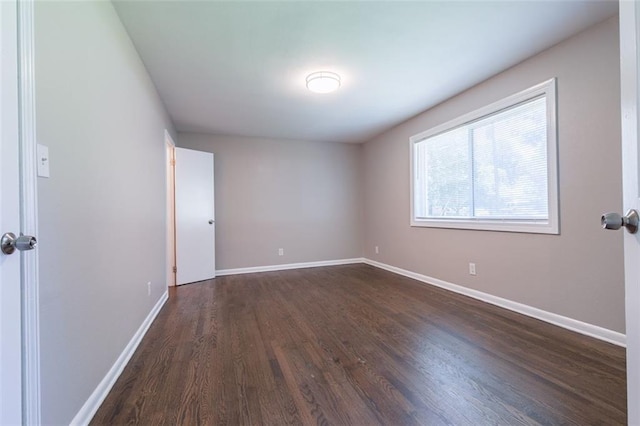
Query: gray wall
{"points": [[578, 274], [300, 196], [102, 233]]}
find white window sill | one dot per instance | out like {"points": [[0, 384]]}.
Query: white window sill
{"points": [[529, 227]]}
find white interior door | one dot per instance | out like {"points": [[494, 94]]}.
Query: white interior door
{"points": [[10, 299], [630, 84], [195, 219]]}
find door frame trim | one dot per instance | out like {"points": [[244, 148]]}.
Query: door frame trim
{"points": [[29, 213], [170, 224]]}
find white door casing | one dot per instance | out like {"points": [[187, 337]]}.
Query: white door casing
{"points": [[629, 67], [19, 301], [194, 213], [170, 220]]}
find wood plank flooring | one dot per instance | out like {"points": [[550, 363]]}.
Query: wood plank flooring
{"points": [[356, 345]]}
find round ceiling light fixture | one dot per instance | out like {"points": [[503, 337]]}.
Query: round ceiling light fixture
{"points": [[323, 82]]}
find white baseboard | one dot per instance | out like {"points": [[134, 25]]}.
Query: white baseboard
{"points": [[569, 323], [92, 404], [286, 266]]}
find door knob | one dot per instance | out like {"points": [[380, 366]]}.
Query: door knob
{"points": [[615, 221], [211, 222], [10, 243]]}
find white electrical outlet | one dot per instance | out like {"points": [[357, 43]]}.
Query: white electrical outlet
{"points": [[472, 268], [377, 250], [280, 252], [149, 288]]}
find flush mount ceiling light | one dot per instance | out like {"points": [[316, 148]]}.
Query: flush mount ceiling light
{"points": [[323, 82]]}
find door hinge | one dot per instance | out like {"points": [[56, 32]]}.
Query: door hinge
{"points": [[173, 162], [175, 270]]}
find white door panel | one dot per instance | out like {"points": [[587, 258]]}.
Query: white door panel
{"points": [[195, 218], [629, 38], [10, 299]]}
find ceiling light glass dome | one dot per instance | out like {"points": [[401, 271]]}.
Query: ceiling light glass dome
{"points": [[323, 82]]}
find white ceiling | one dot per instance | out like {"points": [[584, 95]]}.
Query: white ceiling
{"points": [[239, 68]]}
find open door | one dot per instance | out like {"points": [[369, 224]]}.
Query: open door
{"points": [[19, 335], [10, 299], [194, 215], [630, 84]]}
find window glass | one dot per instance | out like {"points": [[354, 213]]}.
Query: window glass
{"points": [[492, 166]]}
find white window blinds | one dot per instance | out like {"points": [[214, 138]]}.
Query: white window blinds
{"points": [[492, 168]]}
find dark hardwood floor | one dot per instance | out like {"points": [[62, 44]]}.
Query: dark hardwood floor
{"points": [[356, 345]]}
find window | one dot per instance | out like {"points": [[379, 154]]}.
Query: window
{"points": [[492, 169]]}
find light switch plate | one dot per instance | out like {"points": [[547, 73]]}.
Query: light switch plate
{"points": [[43, 161]]}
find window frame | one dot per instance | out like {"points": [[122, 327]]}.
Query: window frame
{"points": [[537, 226]]}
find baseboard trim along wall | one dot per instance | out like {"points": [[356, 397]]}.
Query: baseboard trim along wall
{"points": [[98, 396], [286, 266], [591, 330]]}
